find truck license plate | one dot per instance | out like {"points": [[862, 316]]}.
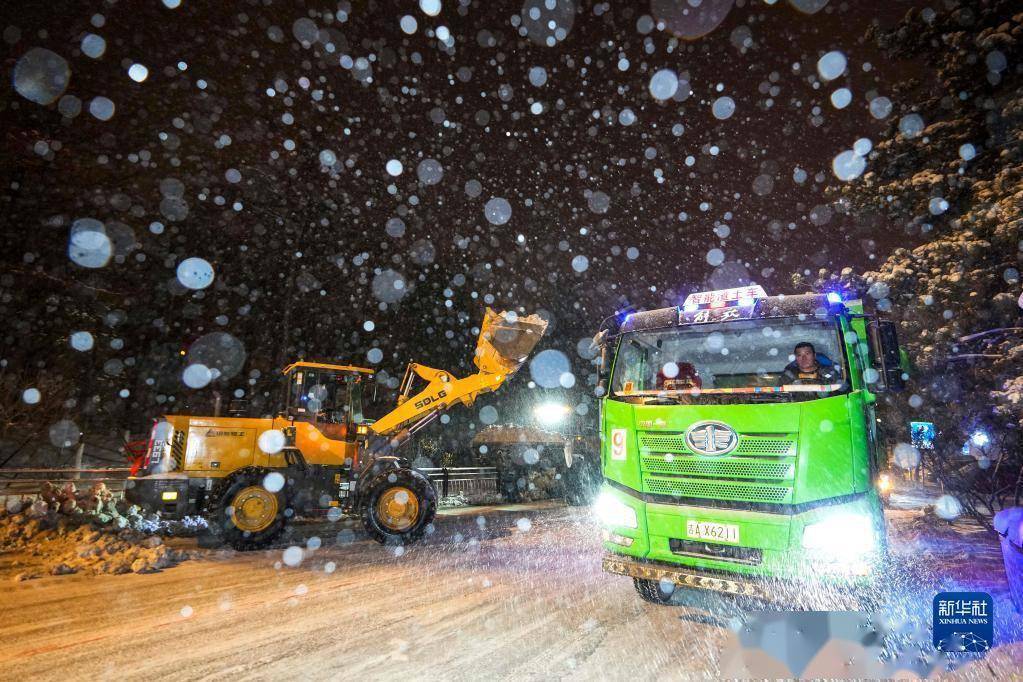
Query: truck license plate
{"points": [[719, 532]]}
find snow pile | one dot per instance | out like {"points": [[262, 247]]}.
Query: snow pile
{"points": [[97, 502], [464, 499], [64, 530], [1010, 398], [56, 544], [97, 505], [909, 527], [452, 501]]}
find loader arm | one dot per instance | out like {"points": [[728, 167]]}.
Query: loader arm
{"points": [[504, 343], [442, 391]]}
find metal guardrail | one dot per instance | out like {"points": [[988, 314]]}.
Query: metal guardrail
{"points": [[115, 471], [447, 480], [468, 480]]}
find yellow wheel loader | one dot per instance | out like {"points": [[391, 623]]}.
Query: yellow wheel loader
{"points": [[320, 454]]}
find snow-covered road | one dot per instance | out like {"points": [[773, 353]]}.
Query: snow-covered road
{"points": [[498, 593]]}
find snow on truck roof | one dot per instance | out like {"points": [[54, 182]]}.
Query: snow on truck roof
{"points": [[752, 309]]}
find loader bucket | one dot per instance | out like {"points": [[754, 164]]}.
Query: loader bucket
{"points": [[506, 340]]}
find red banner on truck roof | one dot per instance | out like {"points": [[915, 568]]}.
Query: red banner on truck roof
{"points": [[723, 298]]}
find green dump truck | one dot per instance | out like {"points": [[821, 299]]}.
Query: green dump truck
{"points": [[739, 443]]}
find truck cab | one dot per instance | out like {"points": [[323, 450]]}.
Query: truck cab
{"points": [[725, 460]]}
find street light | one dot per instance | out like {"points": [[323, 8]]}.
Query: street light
{"points": [[551, 413]]}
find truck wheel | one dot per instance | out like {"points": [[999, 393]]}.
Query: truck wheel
{"points": [[250, 516], [650, 590], [399, 506]]}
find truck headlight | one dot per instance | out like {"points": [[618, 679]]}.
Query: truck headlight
{"points": [[613, 512], [841, 537], [884, 483]]}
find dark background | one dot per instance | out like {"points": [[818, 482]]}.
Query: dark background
{"points": [[306, 259]]}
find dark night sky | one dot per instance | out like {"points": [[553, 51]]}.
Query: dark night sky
{"points": [[301, 249]]}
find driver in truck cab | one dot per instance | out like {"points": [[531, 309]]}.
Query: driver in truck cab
{"points": [[809, 367], [684, 377]]}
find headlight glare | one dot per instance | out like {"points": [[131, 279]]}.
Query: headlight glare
{"points": [[841, 537], [613, 512]]}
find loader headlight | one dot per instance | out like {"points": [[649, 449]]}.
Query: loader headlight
{"points": [[169, 495], [362, 430], [613, 512], [884, 483], [843, 537]]}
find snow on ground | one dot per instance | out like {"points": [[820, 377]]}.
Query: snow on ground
{"points": [[507, 591], [933, 555], [950, 555]]}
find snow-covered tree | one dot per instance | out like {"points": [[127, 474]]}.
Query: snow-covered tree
{"points": [[950, 171]]}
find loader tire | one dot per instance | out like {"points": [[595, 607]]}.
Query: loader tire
{"points": [[248, 514], [399, 507]]}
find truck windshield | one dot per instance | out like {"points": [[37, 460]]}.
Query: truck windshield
{"points": [[753, 361]]}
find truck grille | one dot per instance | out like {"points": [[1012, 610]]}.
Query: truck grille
{"points": [[760, 469], [748, 445], [729, 468], [718, 490]]}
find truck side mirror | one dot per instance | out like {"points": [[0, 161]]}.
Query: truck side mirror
{"points": [[599, 344], [892, 357], [887, 355]]}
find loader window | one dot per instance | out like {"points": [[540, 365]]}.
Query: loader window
{"points": [[332, 401], [319, 396]]}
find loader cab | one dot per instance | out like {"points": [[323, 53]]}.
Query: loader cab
{"points": [[328, 396]]}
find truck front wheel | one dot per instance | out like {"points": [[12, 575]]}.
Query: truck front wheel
{"points": [[399, 506], [652, 591]]}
